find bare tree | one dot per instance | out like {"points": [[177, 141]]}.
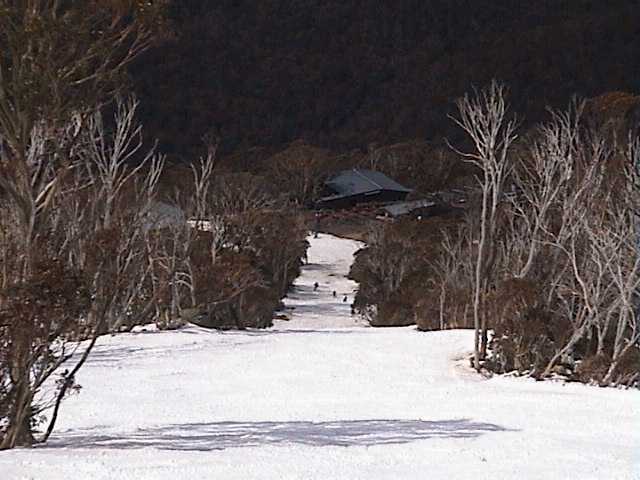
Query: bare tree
{"points": [[621, 239], [485, 119], [171, 245], [556, 256], [46, 79], [452, 270], [300, 167], [542, 178], [582, 285], [92, 234], [59, 61]]}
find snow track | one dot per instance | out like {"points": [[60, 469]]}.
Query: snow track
{"points": [[312, 304], [323, 397]]}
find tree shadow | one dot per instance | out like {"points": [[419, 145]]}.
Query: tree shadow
{"points": [[223, 435]]}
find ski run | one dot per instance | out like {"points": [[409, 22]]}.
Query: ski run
{"points": [[322, 396]]}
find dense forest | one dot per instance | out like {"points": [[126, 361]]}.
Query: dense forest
{"points": [[343, 75]]}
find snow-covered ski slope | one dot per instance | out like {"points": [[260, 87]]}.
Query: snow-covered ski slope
{"points": [[312, 304], [322, 397]]}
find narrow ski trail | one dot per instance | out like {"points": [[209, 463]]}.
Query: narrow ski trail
{"points": [[322, 295]]}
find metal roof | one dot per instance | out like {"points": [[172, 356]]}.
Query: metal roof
{"points": [[402, 208], [357, 182]]}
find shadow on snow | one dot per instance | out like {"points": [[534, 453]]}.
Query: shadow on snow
{"points": [[222, 435]]}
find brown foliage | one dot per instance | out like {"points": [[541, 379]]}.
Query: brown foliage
{"points": [[300, 170], [45, 306], [395, 271], [593, 368], [48, 303], [419, 165], [526, 332], [263, 241], [615, 112]]}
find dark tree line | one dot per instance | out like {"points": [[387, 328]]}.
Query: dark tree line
{"points": [[341, 75]]}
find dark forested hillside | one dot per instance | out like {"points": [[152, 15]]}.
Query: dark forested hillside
{"points": [[343, 74]]}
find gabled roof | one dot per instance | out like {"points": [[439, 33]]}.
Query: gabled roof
{"points": [[357, 182]]}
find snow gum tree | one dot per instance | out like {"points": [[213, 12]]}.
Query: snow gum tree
{"points": [[59, 63], [87, 274], [556, 253], [485, 119], [572, 232]]}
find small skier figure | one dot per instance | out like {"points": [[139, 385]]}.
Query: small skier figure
{"points": [[344, 299], [315, 286], [317, 227], [334, 294]]}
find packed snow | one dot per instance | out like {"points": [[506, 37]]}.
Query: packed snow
{"points": [[321, 396]]}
